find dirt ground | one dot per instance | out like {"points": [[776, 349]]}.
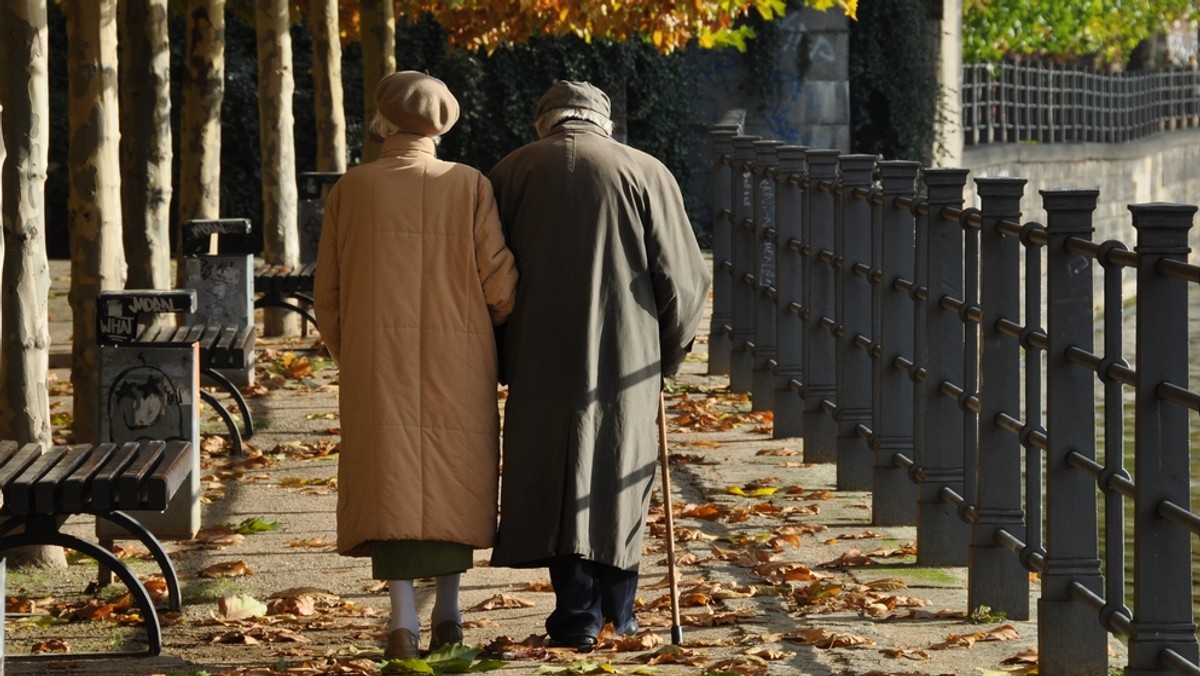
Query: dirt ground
{"points": [[780, 573]]}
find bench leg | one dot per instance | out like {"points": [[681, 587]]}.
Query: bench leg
{"points": [[232, 390], [174, 595], [235, 434], [104, 558], [276, 302]]}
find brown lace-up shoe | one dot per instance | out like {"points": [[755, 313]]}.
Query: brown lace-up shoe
{"points": [[401, 645], [448, 632]]}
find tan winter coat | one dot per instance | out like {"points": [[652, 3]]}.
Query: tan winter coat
{"points": [[412, 273]]}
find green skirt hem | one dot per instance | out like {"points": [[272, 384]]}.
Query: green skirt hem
{"points": [[410, 559]]}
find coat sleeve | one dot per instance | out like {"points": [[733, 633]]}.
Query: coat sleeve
{"points": [[327, 281], [493, 259], [677, 269]]}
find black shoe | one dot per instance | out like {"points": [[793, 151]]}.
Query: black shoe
{"points": [[631, 627], [583, 643]]}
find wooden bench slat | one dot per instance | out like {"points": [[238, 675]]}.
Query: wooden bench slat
{"points": [[18, 493], [194, 333], [154, 334], [219, 351], [243, 346], [104, 480], [47, 492], [170, 473], [8, 449], [22, 459], [77, 487], [211, 333], [128, 484]]}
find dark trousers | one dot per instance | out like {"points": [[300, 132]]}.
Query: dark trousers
{"points": [[587, 595]]}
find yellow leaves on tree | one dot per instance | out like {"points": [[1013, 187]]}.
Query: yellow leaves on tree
{"points": [[666, 24]]}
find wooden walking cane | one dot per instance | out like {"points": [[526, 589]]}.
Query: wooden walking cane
{"points": [[664, 461]]}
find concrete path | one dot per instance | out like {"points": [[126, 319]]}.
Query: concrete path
{"points": [[788, 577]]}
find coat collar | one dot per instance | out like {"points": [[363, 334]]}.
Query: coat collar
{"points": [[576, 126], [402, 144]]}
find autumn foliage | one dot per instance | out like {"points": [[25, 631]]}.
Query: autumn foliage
{"points": [[668, 25]]}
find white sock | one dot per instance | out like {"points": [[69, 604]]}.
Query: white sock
{"points": [[445, 604], [404, 607]]}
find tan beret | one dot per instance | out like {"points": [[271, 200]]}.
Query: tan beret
{"points": [[568, 94], [416, 103]]}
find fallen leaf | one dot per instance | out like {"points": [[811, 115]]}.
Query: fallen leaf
{"points": [[823, 638], [54, 645], [300, 606], [778, 451], [1005, 632], [743, 665], [502, 601], [225, 569], [241, 607], [906, 653], [538, 586], [673, 654]]}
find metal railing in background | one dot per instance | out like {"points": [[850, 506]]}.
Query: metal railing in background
{"points": [[943, 357], [1048, 103]]}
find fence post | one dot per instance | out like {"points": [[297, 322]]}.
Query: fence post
{"points": [[996, 578], [853, 330], [722, 310], [1078, 642], [789, 330], [942, 537], [1162, 565], [894, 495], [820, 364], [742, 252], [762, 353]]}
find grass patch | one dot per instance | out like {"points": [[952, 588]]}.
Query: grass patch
{"points": [[930, 577], [208, 590]]}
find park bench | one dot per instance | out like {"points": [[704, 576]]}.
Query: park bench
{"points": [[42, 487], [123, 320], [223, 319], [291, 287]]}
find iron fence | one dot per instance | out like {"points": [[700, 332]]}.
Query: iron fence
{"points": [[901, 335], [1047, 103]]}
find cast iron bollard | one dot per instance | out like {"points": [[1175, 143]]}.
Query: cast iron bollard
{"points": [[852, 291], [1162, 614], [789, 331], [762, 352], [1078, 642], [722, 310], [942, 537], [742, 275], [894, 494], [820, 361], [997, 579]]}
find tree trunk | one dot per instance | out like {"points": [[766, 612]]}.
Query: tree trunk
{"points": [[94, 203], [281, 236], [200, 116], [379, 61], [25, 346], [25, 340], [145, 92], [327, 86]]}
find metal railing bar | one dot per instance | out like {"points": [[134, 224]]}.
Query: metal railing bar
{"points": [[1179, 515]]}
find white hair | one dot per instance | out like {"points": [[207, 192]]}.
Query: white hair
{"points": [[383, 128], [556, 116]]}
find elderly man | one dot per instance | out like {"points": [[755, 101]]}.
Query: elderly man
{"points": [[611, 291]]}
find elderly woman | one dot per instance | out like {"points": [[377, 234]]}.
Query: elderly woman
{"points": [[412, 275]]}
